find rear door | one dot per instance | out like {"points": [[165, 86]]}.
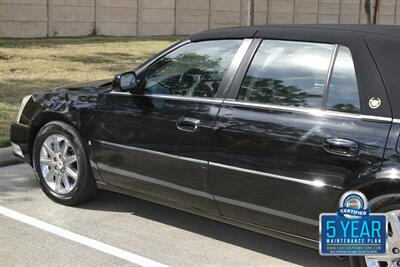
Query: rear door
{"points": [[291, 137]]}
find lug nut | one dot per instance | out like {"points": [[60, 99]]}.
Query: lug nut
{"points": [[396, 251]]}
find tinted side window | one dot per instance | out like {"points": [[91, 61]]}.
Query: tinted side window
{"points": [[343, 91], [194, 70], [287, 73]]}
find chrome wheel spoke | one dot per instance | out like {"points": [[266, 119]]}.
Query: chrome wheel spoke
{"points": [[58, 182], [66, 183], [56, 143], [71, 173], [65, 150], [47, 161], [71, 159], [49, 176], [49, 150]]}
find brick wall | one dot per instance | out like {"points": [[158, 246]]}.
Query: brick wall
{"points": [[40, 18]]}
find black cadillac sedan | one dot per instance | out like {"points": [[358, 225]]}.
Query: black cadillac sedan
{"points": [[260, 127]]}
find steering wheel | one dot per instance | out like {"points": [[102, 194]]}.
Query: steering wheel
{"points": [[195, 87]]}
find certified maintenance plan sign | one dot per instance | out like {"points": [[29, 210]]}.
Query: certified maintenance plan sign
{"points": [[353, 230]]}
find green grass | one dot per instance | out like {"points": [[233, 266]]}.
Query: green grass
{"points": [[33, 65]]}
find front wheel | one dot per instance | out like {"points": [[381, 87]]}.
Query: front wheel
{"points": [[392, 256], [61, 164]]}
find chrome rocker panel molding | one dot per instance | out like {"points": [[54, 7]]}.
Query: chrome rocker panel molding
{"points": [[299, 240]]}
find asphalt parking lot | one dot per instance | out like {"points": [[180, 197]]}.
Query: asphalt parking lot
{"points": [[115, 230]]}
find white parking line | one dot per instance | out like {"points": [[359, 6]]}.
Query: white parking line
{"points": [[100, 246]]}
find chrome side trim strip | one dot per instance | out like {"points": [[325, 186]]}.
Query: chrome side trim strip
{"points": [[152, 152], [311, 111], [316, 183], [266, 210], [118, 93], [154, 181], [396, 120]]}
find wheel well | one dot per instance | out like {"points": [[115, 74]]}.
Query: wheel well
{"points": [[381, 188], [39, 122]]}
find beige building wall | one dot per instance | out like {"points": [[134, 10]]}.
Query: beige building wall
{"points": [[40, 18], [116, 17], [156, 17], [192, 16], [23, 18], [71, 17]]}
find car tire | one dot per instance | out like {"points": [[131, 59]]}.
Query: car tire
{"points": [[390, 204], [61, 164]]}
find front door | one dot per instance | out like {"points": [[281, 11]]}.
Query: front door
{"points": [[290, 142], [156, 141]]}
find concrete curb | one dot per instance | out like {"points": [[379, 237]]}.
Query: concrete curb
{"points": [[8, 158]]}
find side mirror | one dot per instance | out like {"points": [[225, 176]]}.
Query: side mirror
{"points": [[125, 82]]}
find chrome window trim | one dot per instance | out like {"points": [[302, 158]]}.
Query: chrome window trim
{"points": [[234, 66], [225, 83], [176, 97], [311, 111], [188, 98], [164, 53], [329, 76]]}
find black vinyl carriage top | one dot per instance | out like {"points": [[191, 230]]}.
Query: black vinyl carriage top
{"points": [[375, 49]]}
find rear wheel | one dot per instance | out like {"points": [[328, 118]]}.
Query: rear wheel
{"points": [[61, 164], [392, 256]]}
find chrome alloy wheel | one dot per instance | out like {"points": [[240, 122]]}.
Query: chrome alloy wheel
{"points": [[392, 256], [59, 164]]}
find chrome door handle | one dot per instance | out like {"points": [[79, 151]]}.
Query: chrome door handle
{"points": [[188, 124], [341, 147]]}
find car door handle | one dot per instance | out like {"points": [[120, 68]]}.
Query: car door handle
{"points": [[341, 147], [188, 124]]}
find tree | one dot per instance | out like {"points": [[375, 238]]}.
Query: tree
{"points": [[371, 18], [250, 10]]}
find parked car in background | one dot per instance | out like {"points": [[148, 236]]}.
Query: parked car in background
{"points": [[260, 127]]}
